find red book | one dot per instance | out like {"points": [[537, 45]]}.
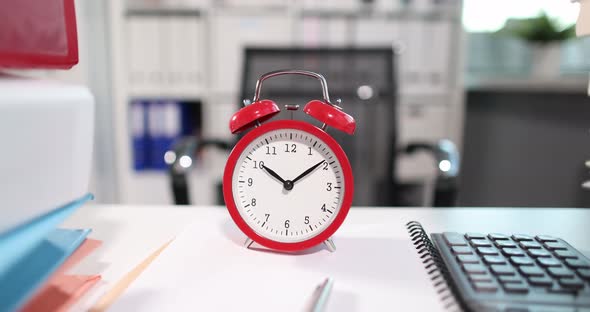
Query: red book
{"points": [[38, 34]]}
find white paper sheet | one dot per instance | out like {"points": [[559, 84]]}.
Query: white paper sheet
{"points": [[375, 268]]}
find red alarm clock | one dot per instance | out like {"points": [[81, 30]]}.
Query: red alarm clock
{"points": [[288, 184]]}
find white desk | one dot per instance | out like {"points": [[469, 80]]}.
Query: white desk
{"points": [[131, 233]]}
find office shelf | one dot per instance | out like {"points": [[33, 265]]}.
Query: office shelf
{"points": [[566, 83], [211, 51]]}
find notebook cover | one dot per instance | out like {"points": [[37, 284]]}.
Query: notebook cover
{"points": [[21, 280], [17, 242]]}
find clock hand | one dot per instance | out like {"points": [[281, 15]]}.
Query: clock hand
{"points": [[308, 171], [272, 173]]}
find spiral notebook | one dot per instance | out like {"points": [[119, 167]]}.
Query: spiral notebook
{"points": [[206, 268]]}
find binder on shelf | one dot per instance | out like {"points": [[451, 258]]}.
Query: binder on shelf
{"points": [[141, 148], [164, 125]]}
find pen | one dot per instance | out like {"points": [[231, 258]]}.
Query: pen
{"points": [[321, 295]]}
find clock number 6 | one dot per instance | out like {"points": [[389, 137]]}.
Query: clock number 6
{"points": [[286, 224], [329, 186]]}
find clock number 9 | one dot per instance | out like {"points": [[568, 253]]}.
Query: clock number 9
{"points": [[286, 224], [329, 186], [260, 164], [250, 181]]}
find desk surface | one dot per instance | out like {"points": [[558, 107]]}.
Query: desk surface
{"points": [[131, 233]]}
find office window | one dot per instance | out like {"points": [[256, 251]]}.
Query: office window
{"points": [[485, 15]]}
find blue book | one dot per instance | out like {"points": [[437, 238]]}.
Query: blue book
{"points": [[16, 243], [28, 274]]}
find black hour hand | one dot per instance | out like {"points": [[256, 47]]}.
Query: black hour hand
{"points": [[272, 173]]}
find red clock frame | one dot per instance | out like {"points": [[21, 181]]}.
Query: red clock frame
{"points": [[231, 165]]}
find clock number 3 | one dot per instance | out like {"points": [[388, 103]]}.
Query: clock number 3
{"points": [[329, 186]]}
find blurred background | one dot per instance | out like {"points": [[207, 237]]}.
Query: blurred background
{"points": [[469, 103]]}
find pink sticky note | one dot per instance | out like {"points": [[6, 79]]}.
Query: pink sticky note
{"points": [[62, 290], [61, 293]]}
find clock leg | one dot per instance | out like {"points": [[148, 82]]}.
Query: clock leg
{"points": [[330, 245], [248, 242]]}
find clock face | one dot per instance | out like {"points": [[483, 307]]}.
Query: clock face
{"points": [[288, 185]]}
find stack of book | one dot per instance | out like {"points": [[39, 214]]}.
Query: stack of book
{"points": [[36, 258]]}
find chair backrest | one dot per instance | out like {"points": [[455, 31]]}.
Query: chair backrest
{"points": [[364, 79]]}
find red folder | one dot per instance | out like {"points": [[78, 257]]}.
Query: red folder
{"points": [[38, 34]]}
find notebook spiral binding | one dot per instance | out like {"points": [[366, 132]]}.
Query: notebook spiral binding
{"points": [[435, 267]]}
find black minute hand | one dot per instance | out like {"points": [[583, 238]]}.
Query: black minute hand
{"points": [[308, 171], [272, 173]]}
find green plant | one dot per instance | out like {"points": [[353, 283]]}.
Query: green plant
{"points": [[541, 29]]}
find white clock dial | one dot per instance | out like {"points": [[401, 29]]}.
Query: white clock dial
{"points": [[298, 208]]}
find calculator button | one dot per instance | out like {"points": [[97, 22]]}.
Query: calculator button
{"points": [[505, 244], [461, 250], [584, 273], [502, 269], [485, 287], [487, 251], [522, 237], [498, 236], [481, 278], [454, 239], [513, 252], [531, 271], [540, 280], [475, 236], [546, 238], [539, 253], [516, 288], [510, 279], [522, 261], [468, 258], [530, 245], [555, 246], [560, 272], [571, 283], [481, 243], [556, 289], [494, 259], [474, 268], [577, 263], [565, 254], [549, 262]]}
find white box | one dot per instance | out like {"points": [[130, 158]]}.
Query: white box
{"points": [[46, 132]]}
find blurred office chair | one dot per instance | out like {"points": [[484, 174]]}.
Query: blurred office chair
{"points": [[363, 78]]}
